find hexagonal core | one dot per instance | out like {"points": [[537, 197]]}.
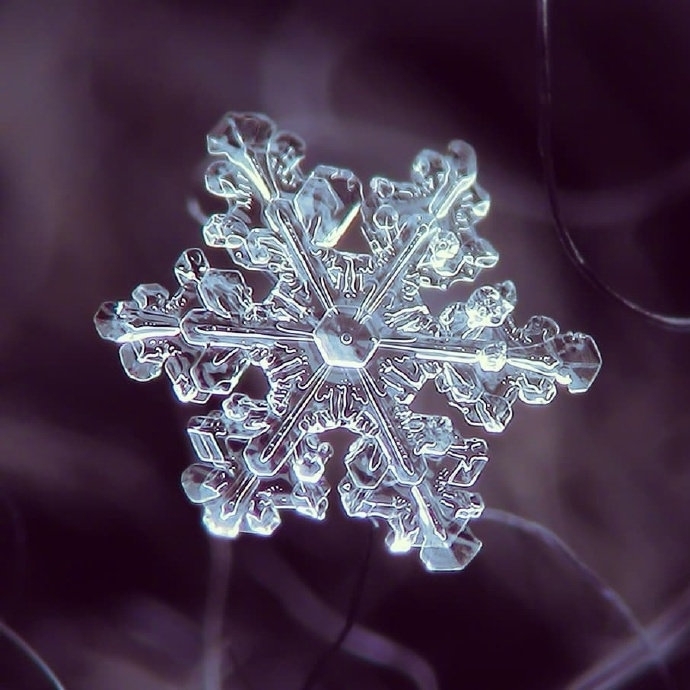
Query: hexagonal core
{"points": [[344, 342]]}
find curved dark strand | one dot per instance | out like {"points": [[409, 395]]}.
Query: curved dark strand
{"points": [[355, 601], [545, 144], [27, 650]]}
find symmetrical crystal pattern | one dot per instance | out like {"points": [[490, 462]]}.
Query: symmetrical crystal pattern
{"points": [[345, 340]]}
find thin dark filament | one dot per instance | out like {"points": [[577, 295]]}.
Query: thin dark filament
{"points": [[355, 601], [546, 154], [32, 654]]}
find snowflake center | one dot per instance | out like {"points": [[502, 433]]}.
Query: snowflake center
{"points": [[343, 341], [316, 337]]}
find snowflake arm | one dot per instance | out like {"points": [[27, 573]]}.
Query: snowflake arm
{"points": [[344, 340]]}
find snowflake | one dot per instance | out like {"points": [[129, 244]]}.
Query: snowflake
{"points": [[344, 340]]}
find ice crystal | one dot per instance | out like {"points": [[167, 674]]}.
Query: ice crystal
{"points": [[345, 340]]}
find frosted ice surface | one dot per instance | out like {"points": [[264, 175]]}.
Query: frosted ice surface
{"points": [[344, 340]]}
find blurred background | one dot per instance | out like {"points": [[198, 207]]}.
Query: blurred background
{"points": [[105, 570]]}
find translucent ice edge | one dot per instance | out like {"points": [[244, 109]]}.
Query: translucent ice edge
{"points": [[345, 340]]}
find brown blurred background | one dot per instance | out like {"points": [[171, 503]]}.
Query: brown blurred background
{"points": [[104, 567]]}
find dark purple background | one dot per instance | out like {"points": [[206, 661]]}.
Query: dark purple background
{"points": [[105, 568]]}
